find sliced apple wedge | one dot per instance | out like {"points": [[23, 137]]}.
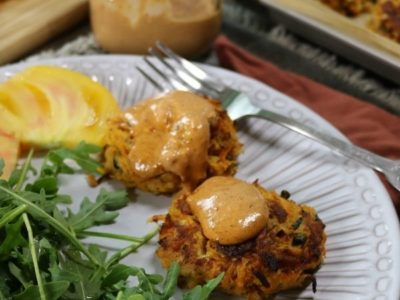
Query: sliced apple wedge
{"points": [[8, 152]]}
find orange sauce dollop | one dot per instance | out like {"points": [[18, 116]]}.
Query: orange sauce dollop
{"points": [[172, 134], [230, 211]]}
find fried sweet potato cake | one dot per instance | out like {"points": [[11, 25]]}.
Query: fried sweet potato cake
{"points": [[350, 7], [386, 19], [285, 254], [178, 139]]}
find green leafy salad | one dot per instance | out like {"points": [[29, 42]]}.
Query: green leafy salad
{"points": [[42, 255]]}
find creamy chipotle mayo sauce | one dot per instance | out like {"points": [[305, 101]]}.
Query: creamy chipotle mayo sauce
{"points": [[132, 26], [230, 211], [171, 134]]}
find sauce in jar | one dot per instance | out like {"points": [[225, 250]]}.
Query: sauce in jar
{"points": [[132, 26]]}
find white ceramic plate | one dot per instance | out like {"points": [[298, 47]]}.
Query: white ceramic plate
{"points": [[363, 253]]}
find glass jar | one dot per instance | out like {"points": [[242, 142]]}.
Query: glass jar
{"points": [[132, 26]]}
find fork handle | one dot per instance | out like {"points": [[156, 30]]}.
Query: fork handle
{"points": [[363, 156]]}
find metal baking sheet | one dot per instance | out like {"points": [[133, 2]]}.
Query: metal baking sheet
{"points": [[373, 58]]}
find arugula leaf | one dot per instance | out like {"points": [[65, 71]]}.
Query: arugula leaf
{"points": [[59, 216], [81, 269], [18, 274], [83, 154], [4, 282], [100, 212], [19, 174], [59, 274], [119, 273], [54, 290], [2, 164], [5, 208], [34, 255], [130, 294], [171, 281], [45, 259], [100, 255], [13, 239], [115, 282], [203, 292], [14, 177], [9, 214], [47, 183], [136, 297], [42, 215]]}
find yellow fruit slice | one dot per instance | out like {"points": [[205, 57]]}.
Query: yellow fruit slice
{"points": [[68, 110], [27, 111], [11, 123], [71, 106], [8, 152]]}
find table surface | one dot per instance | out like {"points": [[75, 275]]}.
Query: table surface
{"points": [[247, 23]]}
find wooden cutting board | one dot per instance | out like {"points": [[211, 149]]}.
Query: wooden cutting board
{"points": [[27, 24]]}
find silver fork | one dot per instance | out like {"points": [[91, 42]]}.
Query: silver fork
{"points": [[185, 75]]}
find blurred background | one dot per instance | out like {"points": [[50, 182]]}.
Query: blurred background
{"points": [[37, 29]]}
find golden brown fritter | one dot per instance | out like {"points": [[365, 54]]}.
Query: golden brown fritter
{"points": [[385, 18], [282, 256], [350, 7], [219, 159]]}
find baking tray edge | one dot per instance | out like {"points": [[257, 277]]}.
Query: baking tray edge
{"points": [[377, 61]]}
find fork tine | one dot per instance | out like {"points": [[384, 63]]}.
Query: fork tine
{"points": [[171, 81], [149, 78], [208, 80], [195, 84], [191, 67], [186, 77]]}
